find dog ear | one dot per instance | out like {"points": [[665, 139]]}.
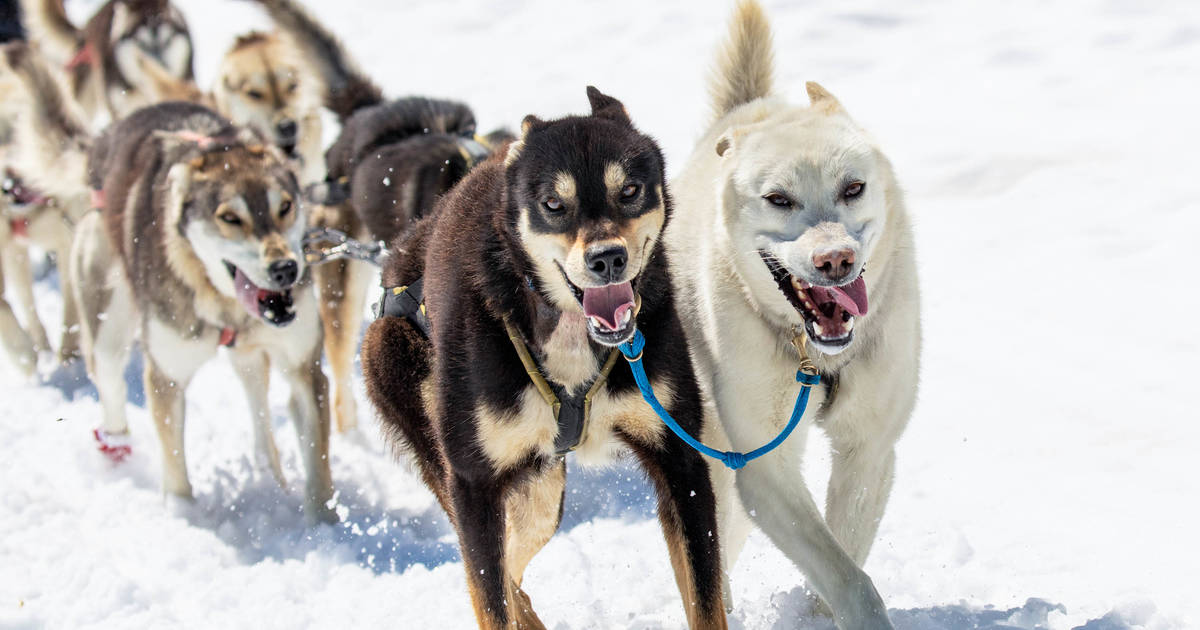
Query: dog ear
{"points": [[605, 106], [529, 123], [822, 100], [724, 143]]}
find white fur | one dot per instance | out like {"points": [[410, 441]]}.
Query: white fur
{"points": [[740, 326]]}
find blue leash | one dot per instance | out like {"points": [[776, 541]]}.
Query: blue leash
{"points": [[632, 350]]}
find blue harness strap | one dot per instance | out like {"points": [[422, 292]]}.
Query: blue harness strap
{"points": [[632, 350]]}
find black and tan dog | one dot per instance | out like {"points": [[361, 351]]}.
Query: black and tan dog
{"points": [[531, 270], [392, 159], [114, 62]]}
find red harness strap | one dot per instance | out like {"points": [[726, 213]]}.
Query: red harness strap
{"points": [[228, 337], [83, 56]]}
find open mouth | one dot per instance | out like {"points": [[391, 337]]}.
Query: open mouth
{"points": [[609, 310], [828, 312], [273, 307]]}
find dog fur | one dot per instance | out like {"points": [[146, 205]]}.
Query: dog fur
{"points": [[42, 206], [197, 242], [462, 404], [799, 184], [117, 61], [391, 160], [265, 84]]}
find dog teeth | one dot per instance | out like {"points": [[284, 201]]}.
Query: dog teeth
{"points": [[850, 324], [817, 329], [626, 317], [597, 322]]}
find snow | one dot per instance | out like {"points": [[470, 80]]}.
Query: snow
{"points": [[1047, 478]]}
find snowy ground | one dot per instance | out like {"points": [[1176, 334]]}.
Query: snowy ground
{"points": [[1047, 479]]}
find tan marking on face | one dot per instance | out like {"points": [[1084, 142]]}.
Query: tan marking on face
{"points": [[614, 179], [235, 208], [544, 250], [275, 248], [564, 187], [508, 438]]}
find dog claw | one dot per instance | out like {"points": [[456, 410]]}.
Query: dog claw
{"points": [[114, 446]]}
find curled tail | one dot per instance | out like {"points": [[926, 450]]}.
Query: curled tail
{"points": [[47, 22], [52, 138], [745, 63], [347, 88]]}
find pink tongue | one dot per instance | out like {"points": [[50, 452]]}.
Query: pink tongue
{"points": [[608, 303], [247, 292], [852, 297]]}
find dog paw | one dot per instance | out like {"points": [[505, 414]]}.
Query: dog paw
{"points": [[115, 446]]}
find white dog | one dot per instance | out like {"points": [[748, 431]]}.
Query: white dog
{"points": [[790, 227]]}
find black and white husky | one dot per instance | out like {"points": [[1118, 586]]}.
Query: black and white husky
{"points": [[791, 227]]}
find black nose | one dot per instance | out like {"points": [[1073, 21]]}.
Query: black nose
{"points": [[283, 273], [607, 262], [286, 128]]}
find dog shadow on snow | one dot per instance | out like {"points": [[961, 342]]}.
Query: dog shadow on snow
{"points": [[248, 511]]}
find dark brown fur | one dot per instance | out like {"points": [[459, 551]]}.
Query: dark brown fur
{"points": [[476, 273]]}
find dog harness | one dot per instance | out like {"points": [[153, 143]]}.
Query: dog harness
{"points": [[571, 410], [807, 376]]}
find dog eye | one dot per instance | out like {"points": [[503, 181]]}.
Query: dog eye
{"points": [[255, 94], [630, 191], [553, 204], [853, 190], [230, 218], [778, 200], [291, 88], [285, 208]]}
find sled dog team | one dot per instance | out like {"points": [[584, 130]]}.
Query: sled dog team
{"points": [[539, 290]]}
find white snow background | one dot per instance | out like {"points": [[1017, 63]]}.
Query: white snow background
{"points": [[1048, 478]]}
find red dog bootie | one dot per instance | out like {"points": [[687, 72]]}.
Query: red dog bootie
{"points": [[115, 446]]}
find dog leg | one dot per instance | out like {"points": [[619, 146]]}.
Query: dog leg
{"points": [[17, 268], [69, 344], [165, 398], [479, 518], [532, 511], [310, 413], [104, 301], [859, 485], [14, 338], [254, 369], [774, 492], [734, 523], [341, 288], [687, 511]]}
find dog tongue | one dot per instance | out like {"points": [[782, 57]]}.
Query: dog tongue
{"points": [[608, 303], [852, 297], [248, 294]]}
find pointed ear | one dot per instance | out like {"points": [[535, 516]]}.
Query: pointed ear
{"points": [[605, 106], [822, 100], [529, 123]]}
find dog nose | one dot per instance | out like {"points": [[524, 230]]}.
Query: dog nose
{"points": [[283, 272], [607, 262], [286, 128], [834, 263]]}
